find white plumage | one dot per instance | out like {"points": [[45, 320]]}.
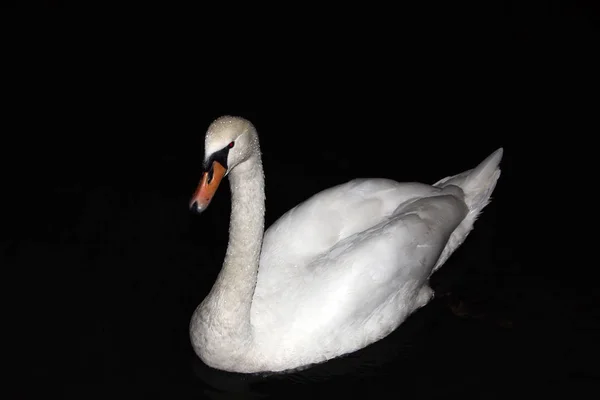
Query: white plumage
{"points": [[335, 273]]}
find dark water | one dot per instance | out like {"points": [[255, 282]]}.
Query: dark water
{"points": [[104, 264], [112, 272]]}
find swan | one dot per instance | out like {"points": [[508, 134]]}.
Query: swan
{"points": [[337, 272]]}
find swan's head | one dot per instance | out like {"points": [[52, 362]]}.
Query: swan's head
{"points": [[229, 142]]}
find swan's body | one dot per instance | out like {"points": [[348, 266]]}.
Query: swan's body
{"points": [[335, 273]]}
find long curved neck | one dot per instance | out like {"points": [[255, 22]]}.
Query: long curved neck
{"points": [[231, 295]]}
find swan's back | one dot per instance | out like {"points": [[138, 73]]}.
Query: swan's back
{"points": [[317, 224]]}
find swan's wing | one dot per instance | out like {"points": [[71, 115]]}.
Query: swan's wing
{"points": [[319, 223], [368, 279]]}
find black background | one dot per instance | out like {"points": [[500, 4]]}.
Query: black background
{"points": [[102, 148]]}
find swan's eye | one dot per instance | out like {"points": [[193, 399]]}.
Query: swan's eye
{"points": [[230, 145]]}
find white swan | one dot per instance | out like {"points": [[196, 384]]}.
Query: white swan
{"points": [[335, 273]]}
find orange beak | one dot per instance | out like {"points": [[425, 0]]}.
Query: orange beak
{"points": [[208, 187]]}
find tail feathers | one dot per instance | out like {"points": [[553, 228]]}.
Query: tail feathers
{"points": [[477, 185]]}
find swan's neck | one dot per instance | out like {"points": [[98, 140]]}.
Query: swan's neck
{"points": [[227, 308]]}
